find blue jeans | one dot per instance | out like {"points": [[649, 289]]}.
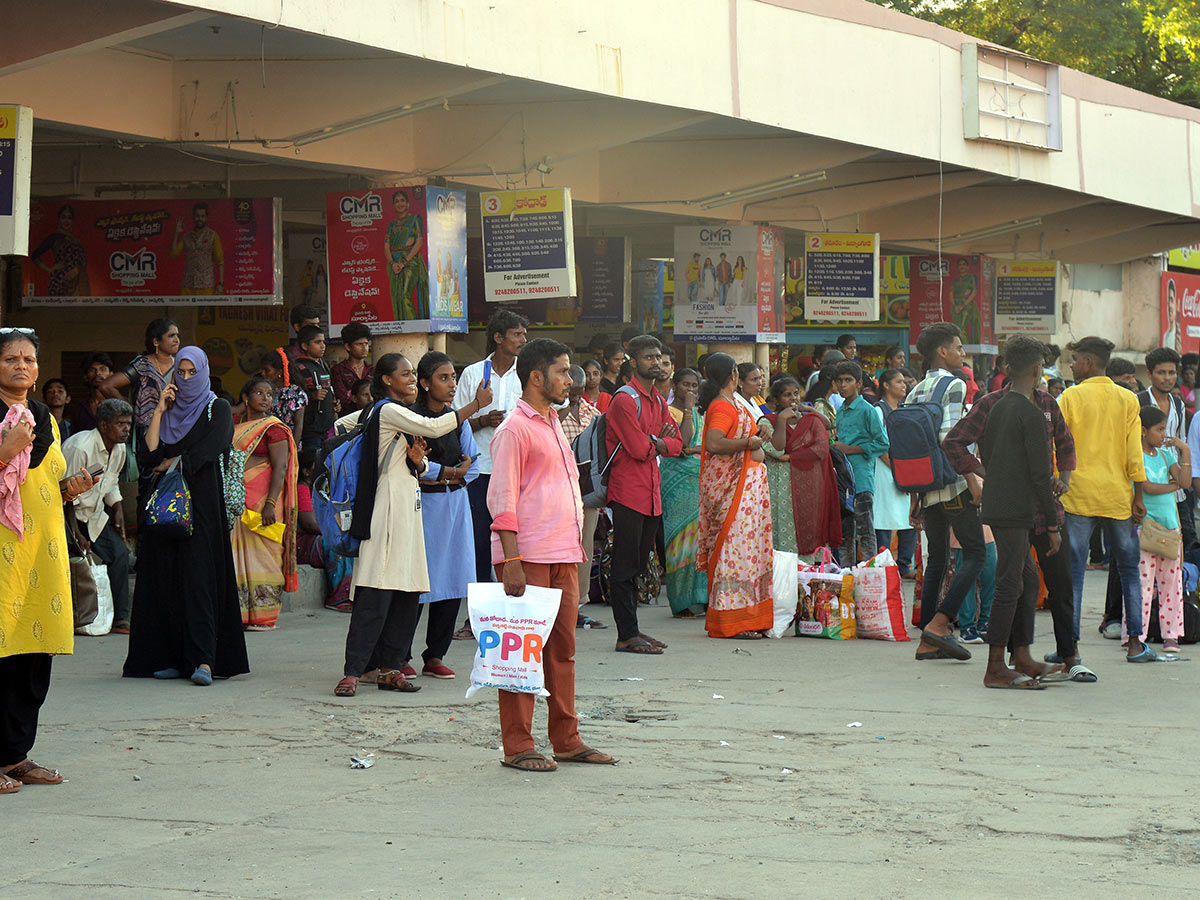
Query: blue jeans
{"points": [[906, 546], [985, 588], [1120, 537]]}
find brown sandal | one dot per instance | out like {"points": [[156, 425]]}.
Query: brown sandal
{"points": [[24, 773], [347, 687], [9, 785], [519, 762], [395, 681]]}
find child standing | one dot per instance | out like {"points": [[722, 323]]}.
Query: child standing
{"points": [[1168, 468], [862, 439], [312, 373]]}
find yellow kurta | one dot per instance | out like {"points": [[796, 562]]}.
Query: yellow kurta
{"points": [[35, 576]]}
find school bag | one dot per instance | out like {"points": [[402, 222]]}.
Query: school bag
{"points": [[336, 484], [590, 449], [844, 473], [918, 462]]}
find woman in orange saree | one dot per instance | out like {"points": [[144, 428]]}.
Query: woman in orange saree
{"points": [[734, 544], [264, 539]]}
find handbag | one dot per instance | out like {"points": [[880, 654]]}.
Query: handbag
{"points": [[85, 601], [169, 509], [1159, 540], [233, 485]]}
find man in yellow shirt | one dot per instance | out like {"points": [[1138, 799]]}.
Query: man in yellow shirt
{"points": [[1106, 489]]}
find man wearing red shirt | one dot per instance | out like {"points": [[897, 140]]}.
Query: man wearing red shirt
{"points": [[643, 428]]}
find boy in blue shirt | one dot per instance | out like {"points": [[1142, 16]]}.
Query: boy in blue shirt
{"points": [[862, 439]]}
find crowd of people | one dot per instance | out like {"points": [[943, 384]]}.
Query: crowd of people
{"points": [[710, 475]]}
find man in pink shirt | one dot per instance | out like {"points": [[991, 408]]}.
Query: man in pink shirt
{"points": [[537, 525]]}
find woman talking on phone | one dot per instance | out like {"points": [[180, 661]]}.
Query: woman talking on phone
{"points": [[187, 622]]}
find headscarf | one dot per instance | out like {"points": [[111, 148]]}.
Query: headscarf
{"points": [[192, 396]]}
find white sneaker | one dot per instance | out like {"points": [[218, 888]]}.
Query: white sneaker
{"points": [[1112, 631]]}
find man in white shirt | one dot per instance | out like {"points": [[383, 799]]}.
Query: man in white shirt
{"points": [[96, 518], [506, 337]]}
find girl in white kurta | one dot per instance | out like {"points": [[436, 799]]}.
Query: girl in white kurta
{"points": [[390, 574]]}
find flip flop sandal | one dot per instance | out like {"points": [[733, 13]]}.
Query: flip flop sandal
{"points": [[1020, 683], [527, 756], [347, 687], [1082, 674], [936, 654], [639, 645], [652, 641], [946, 643], [589, 622], [464, 634], [1054, 677], [748, 636], [24, 773], [9, 785], [587, 755], [395, 681]]}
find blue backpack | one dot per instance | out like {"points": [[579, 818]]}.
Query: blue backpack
{"points": [[336, 485], [918, 462]]}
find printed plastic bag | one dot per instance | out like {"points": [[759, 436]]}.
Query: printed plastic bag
{"points": [[879, 600], [103, 622], [784, 592], [511, 632], [826, 607]]}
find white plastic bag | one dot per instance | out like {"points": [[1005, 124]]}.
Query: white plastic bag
{"points": [[103, 622], [784, 592], [510, 633]]}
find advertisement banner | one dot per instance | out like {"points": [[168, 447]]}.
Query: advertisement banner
{"points": [[894, 289], [954, 289], [154, 252], [305, 281], [1180, 312], [236, 337], [841, 277], [1027, 296], [528, 245], [16, 158], [722, 291], [648, 275], [605, 275], [1185, 257], [380, 242], [769, 286]]}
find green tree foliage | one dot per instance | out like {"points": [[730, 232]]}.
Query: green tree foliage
{"points": [[1149, 45]]}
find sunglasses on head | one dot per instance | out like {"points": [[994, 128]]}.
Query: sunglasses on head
{"points": [[17, 330]]}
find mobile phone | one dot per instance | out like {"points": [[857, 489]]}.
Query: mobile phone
{"points": [[95, 471], [487, 372], [324, 380]]}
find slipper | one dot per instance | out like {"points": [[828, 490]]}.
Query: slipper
{"points": [[347, 687], [640, 645], [24, 773], [1055, 677], [587, 755], [395, 681], [946, 642], [464, 634], [935, 654], [1082, 674], [168, 673], [749, 636], [1146, 656], [652, 641], [1020, 683], [588, 622], [526, 757]]}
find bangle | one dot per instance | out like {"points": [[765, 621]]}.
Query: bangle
{"points": [[511, 559], [271, 500]]}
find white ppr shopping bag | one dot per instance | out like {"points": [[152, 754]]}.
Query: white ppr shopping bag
{"points": [[511, 633], [103, 622]]}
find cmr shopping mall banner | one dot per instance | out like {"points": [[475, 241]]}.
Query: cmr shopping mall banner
{"points": [[152, 252]]}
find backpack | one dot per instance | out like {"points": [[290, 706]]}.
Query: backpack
{"points": [[845, 481], [590, 449], [336, 485], [918, 462]]}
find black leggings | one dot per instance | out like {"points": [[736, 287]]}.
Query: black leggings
{"points": [[24, 682]]}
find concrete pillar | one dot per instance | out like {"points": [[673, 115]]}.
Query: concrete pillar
{"points": [[437, 341], [741, 352], [413, 345], [762, 356]]}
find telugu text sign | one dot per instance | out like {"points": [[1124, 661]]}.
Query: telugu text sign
{"points": [[528, 246], [841, 277], [1026, 296]]}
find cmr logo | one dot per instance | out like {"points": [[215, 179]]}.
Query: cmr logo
{"points": [[447, 203], [133, 269], [935, 268], [360, 211], [716, 235]]}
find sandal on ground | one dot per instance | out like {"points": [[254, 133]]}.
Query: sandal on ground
{"points": [[1020, 683], [261, 627], [9, 785], [588, 622], [30, 772], [932, 654], [1082, 674], [464, 634], [652, 641], [519, 762], [748, 636], [347, 687], [343, 607], [395, 681], [587, 755], [639, 645], [946, 643], [1146, 656]]}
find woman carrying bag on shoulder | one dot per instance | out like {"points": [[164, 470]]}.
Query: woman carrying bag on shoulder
{"points": [[187, 621]]}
